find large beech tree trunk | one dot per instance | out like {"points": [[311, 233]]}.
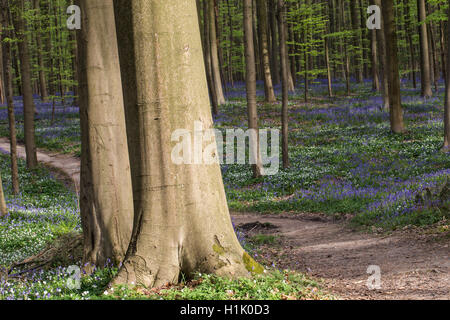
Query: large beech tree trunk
{"points": [[182, 223], [27, 91], [390, 33], [106, 198], [8, 79]]}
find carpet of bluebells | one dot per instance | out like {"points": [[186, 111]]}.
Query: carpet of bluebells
{"points": [[344, 159]]}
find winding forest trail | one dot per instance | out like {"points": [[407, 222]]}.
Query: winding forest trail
{"points": [[414, 263]]}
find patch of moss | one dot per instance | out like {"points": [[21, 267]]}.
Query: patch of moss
{"points": [[251, 265], [218, 249]]}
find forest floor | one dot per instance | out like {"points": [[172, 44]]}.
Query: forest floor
{"points": [[414, 261]]}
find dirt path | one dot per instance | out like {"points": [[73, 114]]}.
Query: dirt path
{"points": [[67, 165], [414, 263]]}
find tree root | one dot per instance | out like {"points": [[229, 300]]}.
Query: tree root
{"points": [[66, 250]]}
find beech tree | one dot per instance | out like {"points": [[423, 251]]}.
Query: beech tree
{"points": [[106, 199], [424, 52], [392, 72], [263, 36], [250, 81], [181, 221], [25, 71], [215, 67], [8, 84], [3, 208], [446, 147], [284, 77]]}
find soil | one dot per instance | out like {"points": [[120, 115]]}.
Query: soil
{"points": [[414, 262]]}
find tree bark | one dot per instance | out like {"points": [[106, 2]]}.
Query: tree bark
{"points": [[7, 76], [446, 147], [262, 21], [250, 81], [390, 33], [383, 61], [182, 223], [27, 91], [284, 77], [106, 199], [215, 67], [426, 91], [3, 207], [41, 73], [274, 35], [357, 41]]}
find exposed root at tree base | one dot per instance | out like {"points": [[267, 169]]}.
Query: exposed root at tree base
{"points": [[64, 251]]}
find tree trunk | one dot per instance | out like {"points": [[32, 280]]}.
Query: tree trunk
{"points": [[215, 67], [446, 147], [182, 223], [27, 91], [41, 73], [7, 76], [426, 91], [106, 198], [412, 54], [357, 41], [2, 83], [250, 81], [383, 62], [3, 207], [390, 33], [284, 77], [207, 58], [374, 56], [274, 35], [262, 22]]}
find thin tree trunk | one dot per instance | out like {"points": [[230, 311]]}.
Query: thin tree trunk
{"points": [[250, 66], [25, 68], [284, 66], [3, 207], [42, 81], [262, 22], [446, 147], [357, 41], [390, 33], [383, 62], [408, 30], [7, 76], [274, 35], [207, 58], [215, 67], [424, 54]]}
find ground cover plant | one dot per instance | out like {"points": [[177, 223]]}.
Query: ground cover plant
{"points": [[344, 159]]}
